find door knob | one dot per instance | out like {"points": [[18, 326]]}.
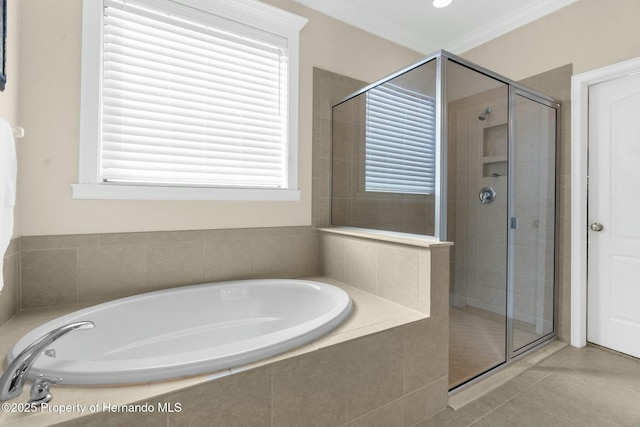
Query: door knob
{"points": [[596, 226]]}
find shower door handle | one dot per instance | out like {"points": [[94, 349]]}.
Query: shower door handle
{"points": [[596, 226]]}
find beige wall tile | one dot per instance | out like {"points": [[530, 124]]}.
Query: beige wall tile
{"points": [[242, 399], [391, 211], [360, 259], [175, 264], [375, 372], [388, 415], [119, 239], [424, 274], [49, 277], [342, 187], [306, 253], [9, 302], [116, 265], [322, 173], [424, 306], [320, 212], [398, 274], [225, 258], [425, 402], [365, 213], [332, 255], [440, 267], [426, 352], [59, 242], [392, 271], [341, 211], [328, 88], [346, 133], [113, 271], [271, 256], [311, 390], [564, 299]]}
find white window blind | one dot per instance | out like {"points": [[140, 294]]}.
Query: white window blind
{"points": [[191, 100], [400, 141]]}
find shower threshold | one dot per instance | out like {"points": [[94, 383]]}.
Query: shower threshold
{"points": [[498, 376]]}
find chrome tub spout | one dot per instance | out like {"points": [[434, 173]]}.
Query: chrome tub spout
{"points": [[12, 381]]}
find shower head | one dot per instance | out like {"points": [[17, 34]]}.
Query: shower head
{"points": [[486, 112]]}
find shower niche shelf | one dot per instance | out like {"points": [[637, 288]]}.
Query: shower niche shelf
{"points": [[494, 151]]}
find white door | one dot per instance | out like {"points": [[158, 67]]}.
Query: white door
{"points": [[614, 209]]}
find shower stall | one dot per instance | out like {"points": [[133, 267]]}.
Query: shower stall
{"points": [[449, 149]]}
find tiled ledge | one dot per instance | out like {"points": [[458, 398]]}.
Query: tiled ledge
{"points": [[371, 314], [412, 271], [388, 236]]}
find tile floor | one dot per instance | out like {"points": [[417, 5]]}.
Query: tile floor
{"points": [[573, 387]]}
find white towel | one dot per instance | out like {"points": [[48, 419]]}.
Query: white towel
{"points": [[8, 171]]}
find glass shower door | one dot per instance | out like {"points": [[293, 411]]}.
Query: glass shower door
{"points": [[477, 221], [533, 222]]}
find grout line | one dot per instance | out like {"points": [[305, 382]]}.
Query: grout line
{"points": [[271, 374], [348, 351], [77, 299]]}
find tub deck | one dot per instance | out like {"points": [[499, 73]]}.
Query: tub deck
{"points": [[371, 314]]}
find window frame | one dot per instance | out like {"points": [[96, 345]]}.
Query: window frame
{"points": [[246, 12]]}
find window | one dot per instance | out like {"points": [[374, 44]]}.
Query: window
{"points": [[188, 99], [400, 141]]}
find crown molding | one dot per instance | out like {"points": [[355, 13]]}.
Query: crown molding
{"points": [[506, 24]]}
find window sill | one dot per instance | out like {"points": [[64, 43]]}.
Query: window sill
{"points": [[141, 192]]}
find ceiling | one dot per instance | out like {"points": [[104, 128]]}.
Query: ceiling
{"points": [[416, 24]]}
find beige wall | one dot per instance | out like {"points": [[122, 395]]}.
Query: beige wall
{"points": [[589, 33], [49, 111]]}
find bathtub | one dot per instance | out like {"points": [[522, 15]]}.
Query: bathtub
{"points": [[188, 330]]}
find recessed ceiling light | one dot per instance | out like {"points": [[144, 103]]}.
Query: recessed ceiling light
{"points": [[441, 3]]}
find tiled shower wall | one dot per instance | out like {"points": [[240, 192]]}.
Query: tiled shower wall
{"points": [[557, 83], [351, 204], [351, 207], [479, 263], [328, 88]]}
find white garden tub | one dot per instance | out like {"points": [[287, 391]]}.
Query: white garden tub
{"points": [[188, 330]]}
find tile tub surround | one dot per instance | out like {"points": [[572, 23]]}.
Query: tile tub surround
{"points": [[386, 364], [407, 269], [60, 270], [9, 297]]}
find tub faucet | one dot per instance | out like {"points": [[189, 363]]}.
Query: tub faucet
{"points": [[12, 381]]}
